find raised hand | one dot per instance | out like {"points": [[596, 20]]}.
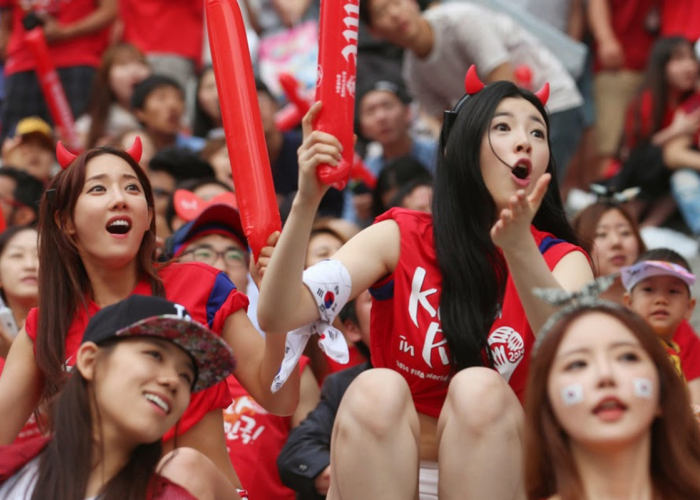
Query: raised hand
{"points": [[257, 269], [513, 224], [318, 148]]}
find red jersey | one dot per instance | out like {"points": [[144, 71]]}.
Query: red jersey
{"points": [[689, 346], [405, 322], [356, 358], [639, 124], [629, 21], [681, 17], [84, 50], [179, 29], [254, 439], [208, 295]]}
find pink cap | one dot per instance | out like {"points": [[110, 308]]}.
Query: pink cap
{"points": [[631, 275]]}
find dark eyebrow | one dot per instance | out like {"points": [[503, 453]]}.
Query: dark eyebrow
{"points": [[103, 176], [510, 115], [623, 343]]}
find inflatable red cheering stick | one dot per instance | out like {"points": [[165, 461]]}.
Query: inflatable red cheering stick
{"points": [[51, 88], [335, 87], [240, 114]]}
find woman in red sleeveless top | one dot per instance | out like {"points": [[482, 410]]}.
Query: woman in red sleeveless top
{"points": [[453, 314]]}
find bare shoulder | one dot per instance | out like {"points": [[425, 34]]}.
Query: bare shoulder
{"points": [[371, 254]]}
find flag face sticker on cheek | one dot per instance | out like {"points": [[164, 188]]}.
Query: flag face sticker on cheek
{"points": [[572, 394], [643, 388]]}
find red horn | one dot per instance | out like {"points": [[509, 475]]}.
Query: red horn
{"points": [[64, 156], [543, 94], [472, 84], [136, 149]]}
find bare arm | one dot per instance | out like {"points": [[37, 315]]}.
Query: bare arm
{"points": [[5, 31], [678, 153], [610, 52], [526, 264], [21, 384], [576, 25], [258, 361], [309, 398], [285, 303], [201, 463], [101, 17], [502, 72], [683, 124]]}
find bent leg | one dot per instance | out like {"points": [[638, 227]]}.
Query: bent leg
{"points": [[479, 434], [375, 441], [197, 474]]}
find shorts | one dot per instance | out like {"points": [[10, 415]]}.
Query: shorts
{"points": [[612, 91], [428, 480]]}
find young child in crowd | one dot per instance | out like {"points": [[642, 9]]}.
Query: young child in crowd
{"points": [[658, 289]]}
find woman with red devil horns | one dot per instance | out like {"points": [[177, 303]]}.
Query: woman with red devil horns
{"points": [[97, 241], [453, 315]]}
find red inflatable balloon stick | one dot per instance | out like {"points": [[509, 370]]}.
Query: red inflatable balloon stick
{"points": [[288, 118], [291, 87], [337, 57], [52, 89], [240, 112]]}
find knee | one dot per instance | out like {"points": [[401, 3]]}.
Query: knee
{"points": [[478, 399], [377, 401], [193, 471]]}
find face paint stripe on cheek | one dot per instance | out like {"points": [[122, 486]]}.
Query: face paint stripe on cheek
{"points": [[643, 388], [572, 394]]}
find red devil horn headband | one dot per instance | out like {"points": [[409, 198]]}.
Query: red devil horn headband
{"points": [[65, 157], [472, 85]]}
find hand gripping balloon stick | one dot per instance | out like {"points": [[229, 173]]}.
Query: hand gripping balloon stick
{"points": [[52, 89], [335, 87], [240, 113], [290, 86]]}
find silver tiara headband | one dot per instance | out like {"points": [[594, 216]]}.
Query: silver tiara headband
{"points": [[586, 298], [605, 194]]}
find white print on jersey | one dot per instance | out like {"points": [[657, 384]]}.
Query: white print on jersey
{"points": [[508, 349], [417, 298]]}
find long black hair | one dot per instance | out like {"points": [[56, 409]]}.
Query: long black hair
{"points": [[474, 272], [655, 83]]}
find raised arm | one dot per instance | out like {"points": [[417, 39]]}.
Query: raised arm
{"points": [[21, 384], [526, 264], [285, 303]]}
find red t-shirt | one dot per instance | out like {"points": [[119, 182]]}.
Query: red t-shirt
{"points": [[689, 345], [628, 19], [356, 358], [254, 439], [85, 50], [208, 295], [639, 117], [681, 17], [174, 27], [406, 328]]}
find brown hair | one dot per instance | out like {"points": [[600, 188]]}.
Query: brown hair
{"points": [[102, 96], [63, 281], [675, 438], [586, 222]]}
